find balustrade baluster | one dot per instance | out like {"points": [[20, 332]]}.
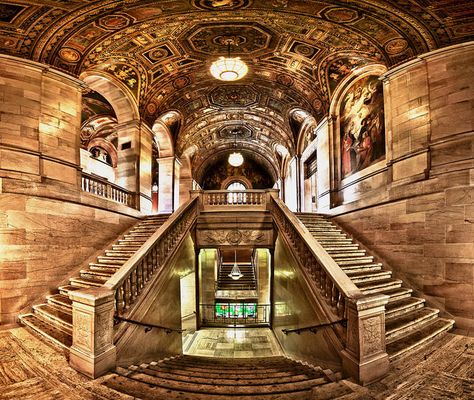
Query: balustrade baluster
{"points": [[119, 300], [139, 277], [126, 293], [334, 292], [328, 290]]}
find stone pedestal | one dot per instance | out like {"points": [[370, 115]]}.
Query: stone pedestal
{"points": [[93, 352], [364, 357]]}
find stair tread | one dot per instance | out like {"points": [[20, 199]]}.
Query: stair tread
{"points": [[403, 303], [56, 335], [54, 313], [402, 321], [415, 339]]}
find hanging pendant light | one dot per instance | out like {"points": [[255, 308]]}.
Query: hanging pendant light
{"points": [[236, 158], [229, 68], [235, 274]]}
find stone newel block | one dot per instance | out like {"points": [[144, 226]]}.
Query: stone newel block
{"points": [[93, 352], [364, 357]]}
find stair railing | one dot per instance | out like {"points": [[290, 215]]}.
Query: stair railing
{"points": [[362, 349], [129, 281], [101, 187], [331, 281]]}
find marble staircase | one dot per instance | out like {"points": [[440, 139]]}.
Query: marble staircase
{"points": [[53, 319], [247, 281], [409, 323], [203, 378]]}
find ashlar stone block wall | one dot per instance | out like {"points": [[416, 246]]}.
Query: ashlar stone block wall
{"points": [[48, 227], [421, 221]]}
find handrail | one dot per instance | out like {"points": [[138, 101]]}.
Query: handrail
{"points": [[314, 328], [100, 186], [130, 279], [331, 281], [148, 327], [250, 197]]}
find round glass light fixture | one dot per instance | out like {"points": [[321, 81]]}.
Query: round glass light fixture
{"points": [[229, 69], [235, 274], [235, 159]]}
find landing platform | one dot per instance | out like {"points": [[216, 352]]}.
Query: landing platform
{"points": [[233, 343]]}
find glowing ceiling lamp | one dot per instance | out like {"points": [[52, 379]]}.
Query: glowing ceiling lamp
{"points": [[235, 274], [229, 68], [236, 158]]}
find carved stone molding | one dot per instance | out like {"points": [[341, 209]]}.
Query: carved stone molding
{"points": [[234, 237]]}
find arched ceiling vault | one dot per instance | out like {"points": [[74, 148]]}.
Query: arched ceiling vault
{"points": [[297, 51]]}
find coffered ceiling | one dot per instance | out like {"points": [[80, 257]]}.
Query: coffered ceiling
{"points": [[297, 52]]}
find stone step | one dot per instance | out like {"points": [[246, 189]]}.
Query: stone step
{"points": [[114, 260], [66, 289], [328, 228], [126, 247], [403, 324], [376, 276], [136, 236], [335, 241], [379, 286], [326, 234], [402, 306], [104, 265], [130, 242], [144, 230], [118, 253], [348, 254], [415, 339], [361, 268], [230, 390], [397, 294], [54, 316], [47, 331], [85, 282], [95, 274], [340, 248], [60, 301], [106, 269], [227, 379], [356, 261]]}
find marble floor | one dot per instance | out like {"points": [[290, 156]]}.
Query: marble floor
{"points": [[33, 370], [233, 343]]}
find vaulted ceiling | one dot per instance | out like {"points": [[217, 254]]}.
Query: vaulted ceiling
{"points": [[297, 52]]}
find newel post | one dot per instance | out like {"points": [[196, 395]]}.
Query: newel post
{"points": [[93, 352], [364, 357]]}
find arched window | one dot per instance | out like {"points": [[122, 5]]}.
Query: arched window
{"points": [[236, 196]]}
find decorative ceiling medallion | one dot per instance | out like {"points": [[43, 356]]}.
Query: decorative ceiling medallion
{"points": [[158, 54], [224, 5], [114, 22], [303, 49], [69, 55], [341, 15], [285, 80], [181, 82], [237, 131], [213, 39], [396, 46], [233, 96]]}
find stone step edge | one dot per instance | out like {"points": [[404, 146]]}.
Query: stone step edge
{"points": [[43, 334]]}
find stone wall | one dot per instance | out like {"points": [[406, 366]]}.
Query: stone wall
{"points": [[48, 226], [416, 209]]}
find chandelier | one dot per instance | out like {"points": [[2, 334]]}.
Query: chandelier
{"points": [[229, 68], [235, 274], [236, 158]]}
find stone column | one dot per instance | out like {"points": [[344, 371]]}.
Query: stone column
{"points": [[364, 357], [93, 352], [134, 161], [165, 184]]}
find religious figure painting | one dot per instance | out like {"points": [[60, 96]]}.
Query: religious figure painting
{"points": [[362, 126]]}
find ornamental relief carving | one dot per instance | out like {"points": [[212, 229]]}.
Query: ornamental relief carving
{"points": [[371, 335], [104, 329], [82, 336], [233, 237]]}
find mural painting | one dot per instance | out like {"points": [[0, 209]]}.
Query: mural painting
{"points": [[362, 125]]}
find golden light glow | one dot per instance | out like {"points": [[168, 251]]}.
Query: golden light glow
{"points": [[229, 69], [236, 159]]}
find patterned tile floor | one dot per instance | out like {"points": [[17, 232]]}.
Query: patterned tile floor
{"points": [[233, 343]]}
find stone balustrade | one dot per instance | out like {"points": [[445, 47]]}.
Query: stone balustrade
{"points": [[102, 187]]}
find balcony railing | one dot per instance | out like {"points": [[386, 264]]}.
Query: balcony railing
{"points": [[103, 188], [235, 314]]}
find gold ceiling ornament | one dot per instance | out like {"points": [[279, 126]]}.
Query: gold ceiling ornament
{"points": [[229, 68]]}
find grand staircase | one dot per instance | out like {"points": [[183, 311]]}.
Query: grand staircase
{"points": [[53, 319], [408, 322], [202, 378], [246, 282]]}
